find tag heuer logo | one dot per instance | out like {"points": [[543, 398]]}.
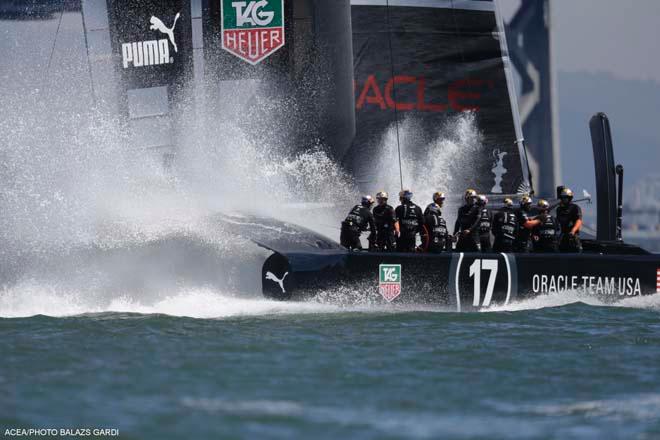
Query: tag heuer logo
{"points": [[252, 30], [389, 281]]}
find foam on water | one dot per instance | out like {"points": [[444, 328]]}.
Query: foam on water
{"points": [[650, 302]]}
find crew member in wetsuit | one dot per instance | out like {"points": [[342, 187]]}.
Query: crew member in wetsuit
{"points": [[544, 234], [467, 224], [411, 222], [505, 226], [358, 220], [523, 242], [485, 224], [386, 224], [436, 226], [569, 216]]}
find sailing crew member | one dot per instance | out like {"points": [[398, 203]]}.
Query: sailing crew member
{"points": [[569, 216], [436, 226], [485, 224], [411, 223], [386, 224], [523, 235], [505, 225], [544, 234], [467, 224], [358, 219]]}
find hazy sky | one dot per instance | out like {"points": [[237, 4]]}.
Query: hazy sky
{"points": [[621, 37]]}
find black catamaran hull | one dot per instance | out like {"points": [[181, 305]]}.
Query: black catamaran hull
{"points": [[465, 281]]}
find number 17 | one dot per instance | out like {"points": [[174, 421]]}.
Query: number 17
{"points": [[475, 271]]}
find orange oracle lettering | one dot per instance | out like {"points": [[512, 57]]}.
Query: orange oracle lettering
{"points": [[398, 79], [421, 99], [455, 93], [376, 98]]}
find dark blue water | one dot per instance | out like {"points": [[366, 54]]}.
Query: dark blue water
{"points": [[570, 371]]}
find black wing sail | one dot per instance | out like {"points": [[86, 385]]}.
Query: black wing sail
{"points": [[433, 87]]}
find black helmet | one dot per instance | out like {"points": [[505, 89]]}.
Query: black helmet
{"points": [[405, 195], [367, 200]]}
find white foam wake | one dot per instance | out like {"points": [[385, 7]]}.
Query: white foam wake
{"points": [[651, 302]]}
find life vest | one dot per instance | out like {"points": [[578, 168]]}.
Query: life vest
{"points": [[509, 225], [384, 218], [484, 221], [438, 227], [547, 231], [355, 221], [409, 222]]}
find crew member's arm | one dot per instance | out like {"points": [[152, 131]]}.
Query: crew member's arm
{"points": [[423, 231], [578, 220], [475, 225], [372, 227], [397, 216], [457, 225], [531, 224]]}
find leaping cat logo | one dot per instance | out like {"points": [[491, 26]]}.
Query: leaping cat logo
{"points": [[271, 276], [158, 25]]}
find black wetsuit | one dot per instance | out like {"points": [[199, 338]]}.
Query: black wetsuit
{"points": [[505, 225], [485, 224], [545, 234], [411, 222], [384, 219], [523, 242], [468, 218], [436, 226], [567, 216], [359, 219]]}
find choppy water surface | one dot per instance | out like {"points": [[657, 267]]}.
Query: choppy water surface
{"points": [[232, 368]]}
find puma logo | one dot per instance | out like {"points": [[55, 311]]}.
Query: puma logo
{"points": [[158, 25], [271, 276]]}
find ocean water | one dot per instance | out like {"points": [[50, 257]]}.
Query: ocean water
{"points": [[206, 365]]}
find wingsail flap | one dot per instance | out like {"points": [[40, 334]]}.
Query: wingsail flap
{"points": [[431, 87]]}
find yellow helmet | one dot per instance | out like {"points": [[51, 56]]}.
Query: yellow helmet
{"points": [[525, 201], [381, 195], [470, 194], [508, 202], [543, 205], [566, 193], [438, 196]]}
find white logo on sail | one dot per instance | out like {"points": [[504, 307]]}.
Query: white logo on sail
{"points": [[152, 52], [271, 276], [499, 170]]}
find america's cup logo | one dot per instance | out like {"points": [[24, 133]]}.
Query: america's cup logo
{"points": [[252, 30]]}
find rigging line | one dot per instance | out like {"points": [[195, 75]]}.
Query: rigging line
{"points": [[52, 49], [396, 115], [89, 61]]}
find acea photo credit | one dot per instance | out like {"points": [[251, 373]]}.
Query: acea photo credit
{"points": [[360, 219]]}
